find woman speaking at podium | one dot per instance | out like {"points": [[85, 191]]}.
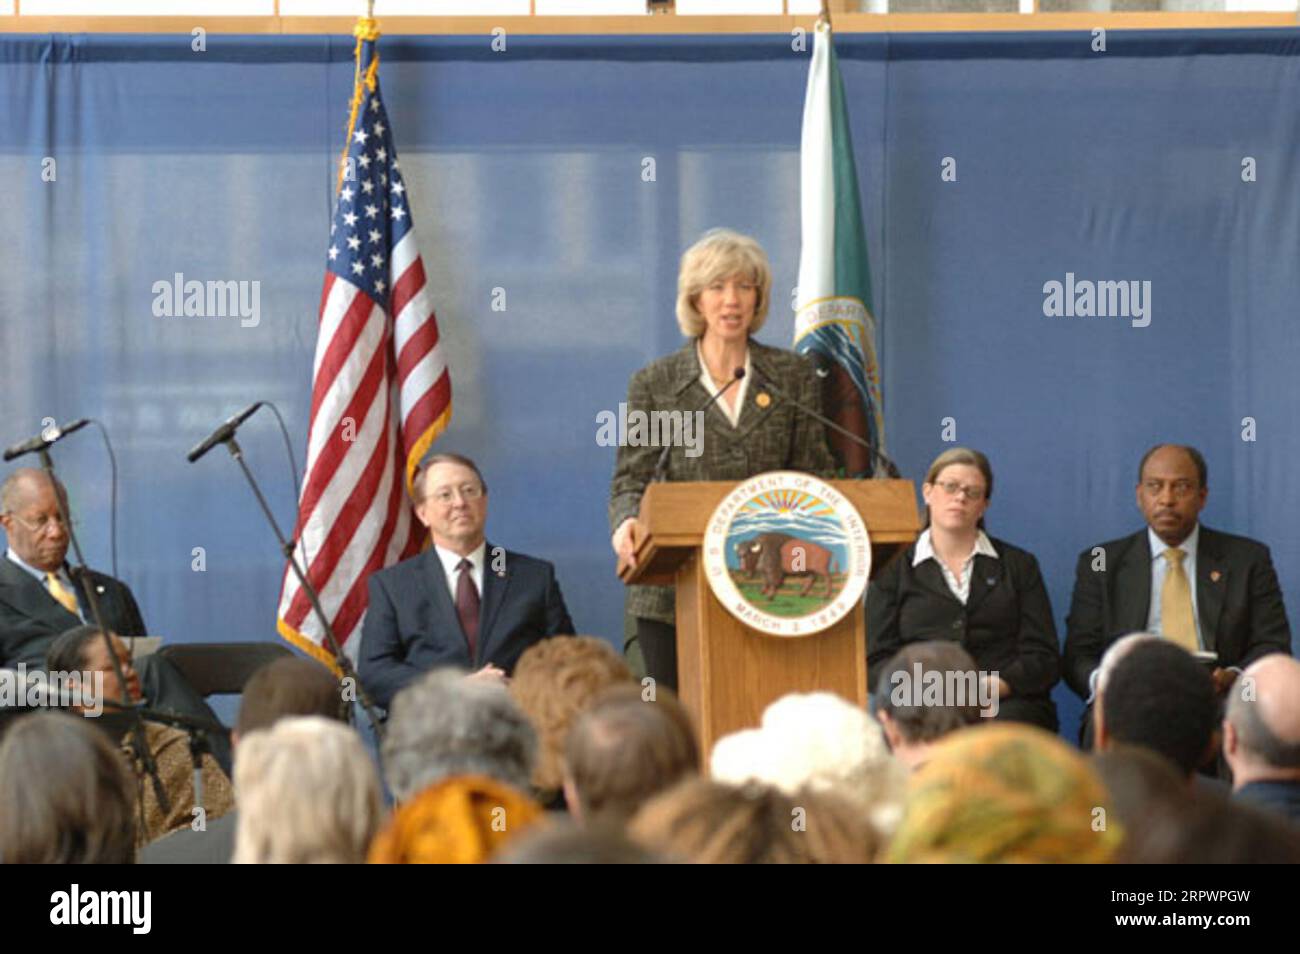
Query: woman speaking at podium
{"points": [[724, 289], [957, 583]]}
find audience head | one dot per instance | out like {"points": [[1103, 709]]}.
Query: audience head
{"points": [[1171, 490], [1117, 651], [553, 682], [820, 742], [569, 844], [910, 730], [289, 687], [1207, 829], [30, 515], [1145, 790], [1261, 730], [1005, 792], [307, 794], [623, 751], [708, 822], [67, 794], [947, 505], [462, 820], [1167, 819], [443, 725], [1160, 697], [83, 649]]}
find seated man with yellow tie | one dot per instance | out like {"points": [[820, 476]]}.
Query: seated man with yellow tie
{"points": [[40, 598], [1209, 592]]}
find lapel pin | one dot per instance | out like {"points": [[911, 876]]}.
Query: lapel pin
{"points": [[1215, 576], [991, 581], [762, 399], [501, 573]]}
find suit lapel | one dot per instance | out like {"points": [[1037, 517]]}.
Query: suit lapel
{"points": [[1211, 585], [689, 391], [434, 580], [752, 412], [985, 577], [929, 576], [1133, 585], [495, 584], [24, 593], [107, 608]]}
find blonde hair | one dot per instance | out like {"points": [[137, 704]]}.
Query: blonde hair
{"points": [[307, 794], [719, 254]]}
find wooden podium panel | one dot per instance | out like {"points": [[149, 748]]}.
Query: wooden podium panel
{"points": [[728, 672]]}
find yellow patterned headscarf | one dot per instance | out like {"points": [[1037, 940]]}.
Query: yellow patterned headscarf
{"points": [[1005, 793], [463, 820]]}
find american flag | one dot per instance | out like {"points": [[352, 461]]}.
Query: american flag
{"points": [[381, 391]]}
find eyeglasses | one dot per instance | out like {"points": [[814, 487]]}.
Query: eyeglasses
{"points": [[952, 488], [43, 524], [447, 495], [1181, 488]]}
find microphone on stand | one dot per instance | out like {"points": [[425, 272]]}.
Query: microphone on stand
{"points": [[223, 433], [44, 439]]}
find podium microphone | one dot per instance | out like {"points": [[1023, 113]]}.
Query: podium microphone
{"points": [[223, 433], [44, 439], [661, 467], [891, 469]]}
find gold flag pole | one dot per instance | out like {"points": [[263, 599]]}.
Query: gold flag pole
{"points": [[366, 30], [824, 18]]}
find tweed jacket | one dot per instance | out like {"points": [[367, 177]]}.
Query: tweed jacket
{"points": [[771, 435]]}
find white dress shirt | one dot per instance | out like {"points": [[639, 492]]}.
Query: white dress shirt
{"points": [[450, 562], [740, 387], [960, 586]]}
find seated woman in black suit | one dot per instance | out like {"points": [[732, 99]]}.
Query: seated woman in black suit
{"points": [[957, 583]]}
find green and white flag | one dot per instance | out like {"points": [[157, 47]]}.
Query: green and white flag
{"points": [[835, 326]]}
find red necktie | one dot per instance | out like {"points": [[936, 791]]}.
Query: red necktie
{"points": [[467, 604]]}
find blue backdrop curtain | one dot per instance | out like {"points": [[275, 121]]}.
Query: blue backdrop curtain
{"points": [[531, 185]]}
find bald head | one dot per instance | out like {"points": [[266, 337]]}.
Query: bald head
{"points": [[21, 485], [30, 515], [1262, 725]]}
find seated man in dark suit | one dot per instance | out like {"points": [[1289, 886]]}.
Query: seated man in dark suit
{"points": [[41, 598], [1261, 736], [460, 603], [1204, 590]]}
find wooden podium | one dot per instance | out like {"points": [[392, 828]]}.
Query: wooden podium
{"points": [[728, 672]]}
